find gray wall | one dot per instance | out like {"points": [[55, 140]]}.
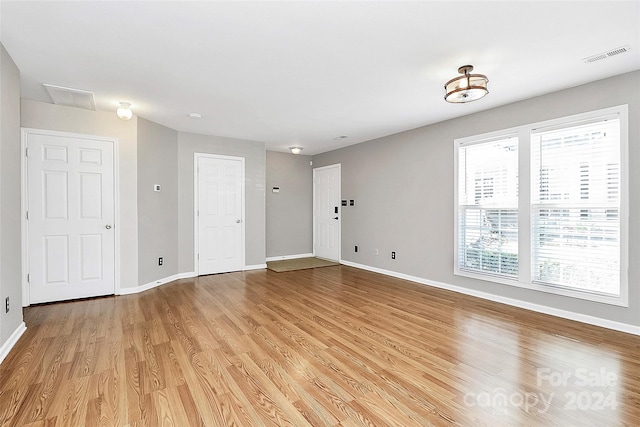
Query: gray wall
{"points": [[157, 211], [41, 115], [403, 187], [289, 212], [10, 237], [254, 154]]}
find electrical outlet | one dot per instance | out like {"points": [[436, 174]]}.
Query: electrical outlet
{"points": [[160, 261], [6, 305], [356, 248], [393, 255]]}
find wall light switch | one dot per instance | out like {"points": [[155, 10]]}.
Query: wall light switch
{"points": [[275, 189], [157, 187]]}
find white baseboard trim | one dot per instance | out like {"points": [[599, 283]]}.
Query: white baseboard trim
{"points": [[565, 314], [159, 282], [284, 257], [6, 347], [151, 285]]}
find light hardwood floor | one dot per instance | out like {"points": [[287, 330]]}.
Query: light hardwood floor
{"points": [[323, 347]]}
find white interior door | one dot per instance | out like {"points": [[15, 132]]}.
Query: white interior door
{"points": [[70, 202], [219, 214], [326, 212]]}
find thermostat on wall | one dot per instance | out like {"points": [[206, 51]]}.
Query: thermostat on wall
{"points": [[157, 187]]}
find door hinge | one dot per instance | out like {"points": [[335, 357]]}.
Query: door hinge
{"points": [[28, 278], [26, 152], [27, 215]]}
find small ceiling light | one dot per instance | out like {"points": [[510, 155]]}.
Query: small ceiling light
{"points": [[124, 111], [467, 87], [195, 115], [296, 149]]}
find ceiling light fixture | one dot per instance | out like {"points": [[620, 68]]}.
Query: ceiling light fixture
{"points": [[195, 116], [296, 149], [124, 111], [467, 87]]}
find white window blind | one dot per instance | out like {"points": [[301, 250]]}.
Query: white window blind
{"points": [[488, 207], [576, 206]]}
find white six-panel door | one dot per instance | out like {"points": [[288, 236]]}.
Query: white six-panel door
{"points": [[219, 214], [70, 226], [326, 212]]}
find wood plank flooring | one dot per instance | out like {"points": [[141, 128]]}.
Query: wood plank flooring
{"points": [[334, 346]]}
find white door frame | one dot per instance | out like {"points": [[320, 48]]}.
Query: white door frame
{"points": [[196, 196], [24, 224], [339, 166]]}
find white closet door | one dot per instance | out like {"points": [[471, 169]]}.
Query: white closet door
{"points": [[71, 242], [220, 183]]}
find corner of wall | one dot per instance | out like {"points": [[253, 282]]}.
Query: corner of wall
{"points": [[10, 198]]}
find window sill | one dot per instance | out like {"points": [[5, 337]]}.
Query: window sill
{"points": [[621, 301]]}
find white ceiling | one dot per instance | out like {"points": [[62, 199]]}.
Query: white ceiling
{"points": [[303, 73]]}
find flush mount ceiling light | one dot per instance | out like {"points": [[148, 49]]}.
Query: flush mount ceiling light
{"points": [[296, 149], [124, 111], [467, 87]]}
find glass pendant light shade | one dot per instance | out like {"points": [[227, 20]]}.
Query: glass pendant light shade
{"points": [[467, 87], [124, 111]]}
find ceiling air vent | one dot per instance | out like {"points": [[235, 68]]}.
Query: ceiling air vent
{"points": [[608, 54], [71, 97]]}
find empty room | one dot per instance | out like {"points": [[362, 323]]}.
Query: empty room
{"points": [[319, 213]]}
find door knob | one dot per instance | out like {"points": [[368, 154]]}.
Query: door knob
{"points": [[108, 227], [335, 218], [238, 221]]}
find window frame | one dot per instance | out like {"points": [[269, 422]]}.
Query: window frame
{"points": [[525, 206]]}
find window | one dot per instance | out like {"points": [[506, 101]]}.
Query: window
{"points": [[488, 206], [565, 231], [576, 233]]}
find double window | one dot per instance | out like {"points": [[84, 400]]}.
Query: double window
{"points": [[543, 206]]}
